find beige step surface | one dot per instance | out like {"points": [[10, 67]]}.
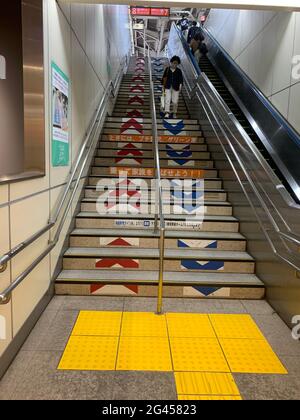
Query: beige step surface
{"points": [[174, 278]]}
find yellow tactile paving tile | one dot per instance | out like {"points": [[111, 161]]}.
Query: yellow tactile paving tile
{"points": [[198, 355], [144, 353], [90, 353], [205, 383], [98, 323], [189, 325], [209, 397], [235, 326], [144, 324], [251, 356]]}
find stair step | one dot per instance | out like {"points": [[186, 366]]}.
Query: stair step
{"points": [[170, 278], [189, 207], [163, 139], [148, 162], [209, 183], [169, 172], [147, 126], [149, 120], [230, 236], [148, 154], [170, 254], [114, 147], [148, 259], [148, 132], [209, 195], [91, 220], [138, 238]]}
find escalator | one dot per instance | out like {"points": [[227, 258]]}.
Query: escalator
{"points": [[207, 67]]}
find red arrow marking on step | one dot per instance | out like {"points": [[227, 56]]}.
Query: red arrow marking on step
{"points": [[96, 287], [132, 146], [137, 88], [120, 193], [134, 152], [138, 79], [109, 263], [119, 242], [110, 206], [136, 99], [132, 123], [135, 114], [139, 161]]}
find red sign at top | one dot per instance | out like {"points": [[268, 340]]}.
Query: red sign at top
{"points": [[160, 11], [150, 11], [140, 11]]}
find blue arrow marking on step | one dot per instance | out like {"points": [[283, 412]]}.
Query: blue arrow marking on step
{"points": [[194, 195], [169, 147], [174, 129], [206, 291], [179, 183], [180, 154], [182, 244], [197, 265], [191, 208], [181, 162]]}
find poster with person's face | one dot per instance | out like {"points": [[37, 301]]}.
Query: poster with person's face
{"points": [[60, 112]]}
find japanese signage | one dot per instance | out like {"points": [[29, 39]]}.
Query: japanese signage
{"points": [[60, 111], [150, 11]]}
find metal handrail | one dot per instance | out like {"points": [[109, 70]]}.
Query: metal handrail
{"points": [[288, 237], [161, 227], [85, 150], [261, 161], [209, 91]]}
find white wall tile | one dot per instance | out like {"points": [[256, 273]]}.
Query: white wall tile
{"points": [[56, 252], [3, 194], [60, 38], [5, 314], [285, 32], [78, 93], [4, 245], [268, 48], [90, 33], [28, 294], [294, 106], [66, 8], [5, 310], [78, 21], [27, 216], [281, 101]]}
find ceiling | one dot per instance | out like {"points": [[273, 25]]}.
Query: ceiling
{"points": [[284, 5]]}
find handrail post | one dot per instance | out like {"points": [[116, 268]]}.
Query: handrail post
{"points": [[161, 270], [159, 225]]}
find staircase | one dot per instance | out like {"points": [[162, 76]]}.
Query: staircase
{"points": [[114, 249]]}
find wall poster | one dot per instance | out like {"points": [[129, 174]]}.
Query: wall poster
{"points": [[60, 120]]}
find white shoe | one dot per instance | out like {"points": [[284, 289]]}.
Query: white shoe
{"points": [[167, 115]]}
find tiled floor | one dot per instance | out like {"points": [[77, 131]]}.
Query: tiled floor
{"points": [[34, 374]]}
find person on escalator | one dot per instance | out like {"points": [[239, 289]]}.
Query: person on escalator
{"points": [[192, 31], [172, 82], [203, 49], [195, 43]]}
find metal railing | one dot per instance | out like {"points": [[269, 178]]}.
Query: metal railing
{"points": [[159, 223], [270, 201], [62, 210]]}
